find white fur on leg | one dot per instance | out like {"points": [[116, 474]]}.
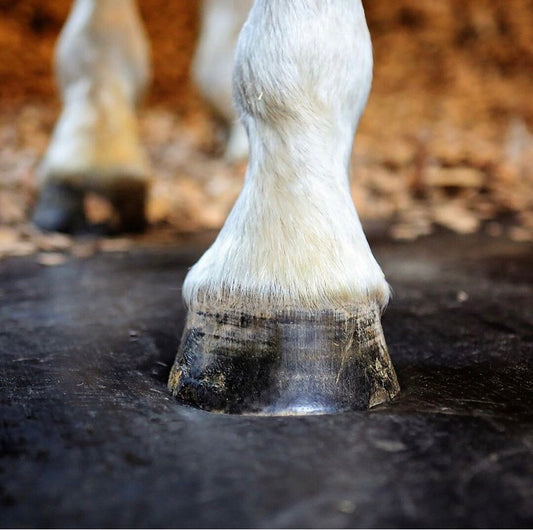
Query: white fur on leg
{"points": [[293, 239], [237, 143], [102, 64], [212, 70]]}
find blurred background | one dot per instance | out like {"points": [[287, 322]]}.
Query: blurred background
{"points": [[446, 139]]}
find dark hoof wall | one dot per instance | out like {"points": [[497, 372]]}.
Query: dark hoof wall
{"points": [[59, 209], [128, 197], [284, 363]]}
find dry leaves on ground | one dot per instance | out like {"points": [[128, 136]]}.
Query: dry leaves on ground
{"points": [[461, 180]]}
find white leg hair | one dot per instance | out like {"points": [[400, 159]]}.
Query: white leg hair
{"points": [[293, 239], [102, 66], [212, 70]]}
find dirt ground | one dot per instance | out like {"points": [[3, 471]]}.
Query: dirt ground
{"points": [[446, 139]]}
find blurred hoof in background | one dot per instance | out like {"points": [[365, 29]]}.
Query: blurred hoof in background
{"points": [[60, 208], [103, 70], [128, 198]]}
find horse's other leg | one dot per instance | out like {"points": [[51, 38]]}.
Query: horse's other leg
{"points": [[102, 67], [212, 69], [284, 308]]}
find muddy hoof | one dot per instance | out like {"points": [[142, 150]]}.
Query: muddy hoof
{"points": [[286, 362], [59, 208]]}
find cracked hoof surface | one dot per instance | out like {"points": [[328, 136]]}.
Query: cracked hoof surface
{"points": [[284, 363]]}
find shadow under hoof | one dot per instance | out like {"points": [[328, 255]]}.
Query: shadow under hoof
{"points": [[284, 363], [61, 208]]}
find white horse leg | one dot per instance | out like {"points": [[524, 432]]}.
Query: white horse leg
{"points": [[212, 71], [102, 66], [284, 308]]}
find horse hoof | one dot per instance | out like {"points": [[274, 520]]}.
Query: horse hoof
{"points": [[128, 197], [59, 208], [284, 362]]}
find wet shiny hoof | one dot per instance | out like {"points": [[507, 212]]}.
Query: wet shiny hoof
{"points": [[60, 208], [283, 363]]}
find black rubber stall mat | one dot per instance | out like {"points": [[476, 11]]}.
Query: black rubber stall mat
{"points": [[90, 436]]}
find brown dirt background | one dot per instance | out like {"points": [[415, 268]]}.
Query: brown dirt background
{"points": [[446, 138]]}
